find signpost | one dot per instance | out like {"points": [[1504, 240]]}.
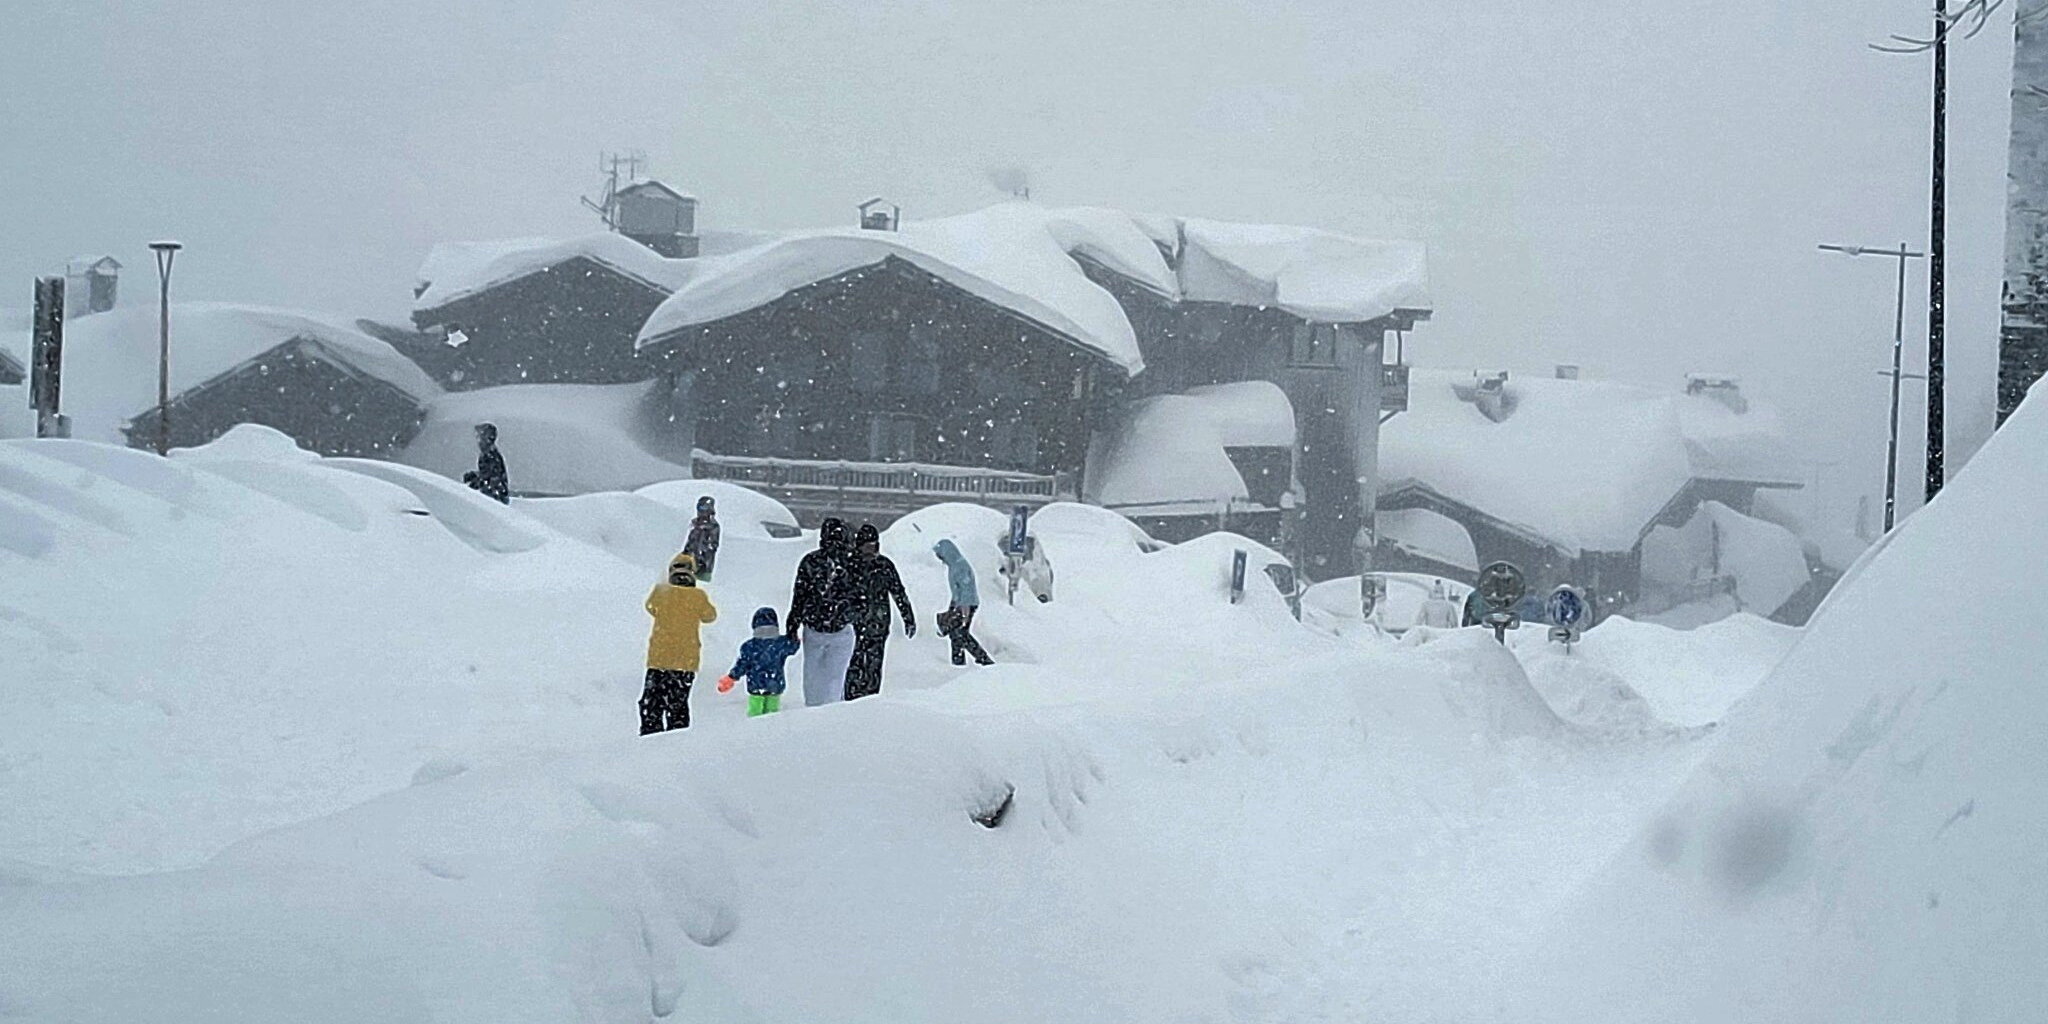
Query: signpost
{"points": [[1237, 563], [1501, 585], [1569, 613], [1016, 544], [46, 359]]}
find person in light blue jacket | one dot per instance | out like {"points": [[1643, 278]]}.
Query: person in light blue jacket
{"points": [[958, 619]]}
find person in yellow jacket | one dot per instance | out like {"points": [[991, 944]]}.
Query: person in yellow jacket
{"points": [[680, 608]]}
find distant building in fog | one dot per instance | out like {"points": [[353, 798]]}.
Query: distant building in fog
{"points": [[90, 285]]}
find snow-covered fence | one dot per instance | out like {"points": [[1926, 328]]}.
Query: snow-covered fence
{"points": [[811, 487]]}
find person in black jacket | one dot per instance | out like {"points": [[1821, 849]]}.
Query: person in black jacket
{"points": [[489, 475], [879, 584], [703, 540], [822, 602]]}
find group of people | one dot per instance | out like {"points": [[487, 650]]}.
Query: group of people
{"points": [[841, 609]]}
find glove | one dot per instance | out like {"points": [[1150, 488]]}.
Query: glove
{"points": [[909, 627], [725, 684]]}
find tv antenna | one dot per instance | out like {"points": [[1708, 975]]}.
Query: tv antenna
{"points": [[618, 169]]}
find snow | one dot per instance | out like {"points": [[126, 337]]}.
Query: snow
{"points": [[741, 512], [453, 271], [361, 768], [1747, 446], [1429, 534], [1865, 842], [1313, 274], [1014, 255], [110, 359], [1765, 561], [556, 438], [1169, 450]]}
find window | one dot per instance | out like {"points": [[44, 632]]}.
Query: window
{"points": [[867, 356], [917, 362], [892, 437], [1014, 443]]}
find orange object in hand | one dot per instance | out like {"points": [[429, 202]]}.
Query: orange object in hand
{"points": [[725, 684]]}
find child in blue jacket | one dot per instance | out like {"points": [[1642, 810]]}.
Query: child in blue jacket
{"points": [[760, 664]]}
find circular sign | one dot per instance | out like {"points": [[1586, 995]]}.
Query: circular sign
{"points": [[1567, 607], [1501, 585]]}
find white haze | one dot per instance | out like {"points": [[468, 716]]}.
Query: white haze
{"points": [[1637, 188]]}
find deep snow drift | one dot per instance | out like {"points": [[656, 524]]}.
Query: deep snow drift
{"points": [[1214, 812]]}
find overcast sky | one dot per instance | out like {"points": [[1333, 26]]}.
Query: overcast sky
{"points": [[1634, 187]]}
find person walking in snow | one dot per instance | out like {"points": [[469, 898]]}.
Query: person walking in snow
{"points": [[1475, 609], [822, 602], [489, 475], [880, 583], [1439, 612], [703, 541], [760, 664], [958, 620], [680, 609]]}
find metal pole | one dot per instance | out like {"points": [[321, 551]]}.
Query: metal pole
{"points": [[1891, 459], [166, 254], [1937, 230]]}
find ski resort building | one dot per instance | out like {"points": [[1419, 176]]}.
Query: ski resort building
{"points": [[335, 390], [1025, 354], [1594, 483]]}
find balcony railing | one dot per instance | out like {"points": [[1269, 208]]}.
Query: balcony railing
{"points": [[840, 482]]}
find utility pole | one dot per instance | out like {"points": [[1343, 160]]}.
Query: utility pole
{"points": [[1891, 459], [166, 253], [1978, 14]]}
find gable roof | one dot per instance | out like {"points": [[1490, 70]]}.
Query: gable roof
{"points": [[651, 185], [110, 359], [453, 271]]}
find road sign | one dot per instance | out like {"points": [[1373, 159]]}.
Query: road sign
{"points": [[1501, 585], [1237, 561], [1569, 613], [1020, 524]]}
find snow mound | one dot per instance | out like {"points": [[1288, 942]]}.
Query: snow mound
{"points": [[1765, 562], [1865, 842], [556, 438], [741, 512], [1170, 450]]}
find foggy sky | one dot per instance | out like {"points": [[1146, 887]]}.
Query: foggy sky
{"points": [[1636, 188]]}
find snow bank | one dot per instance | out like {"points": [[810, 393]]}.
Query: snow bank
{"points": [[1765, 562], [1866, 842], [1429, 534], [110, 359], [556, 438]]}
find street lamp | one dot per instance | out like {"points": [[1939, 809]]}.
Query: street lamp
{"points": [[1891, 459], [166, 254]]}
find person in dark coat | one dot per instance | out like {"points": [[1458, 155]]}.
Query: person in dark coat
{"points": [[489, 475], [879, 584], [958, 620], [703, 542], [822, 603]]}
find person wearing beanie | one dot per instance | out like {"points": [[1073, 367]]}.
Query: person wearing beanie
{"points": [[680, 609], [760, 664], [822, 603], [880, 583], [703, 541]]}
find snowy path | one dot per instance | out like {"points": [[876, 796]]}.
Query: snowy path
{"points": [[1218, 815]]}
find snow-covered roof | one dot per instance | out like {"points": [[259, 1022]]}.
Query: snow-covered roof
{"points": [[1169, 454], [84, 264], [1429, 534], [1747, 446], [458, 270], [1015, 255], [1579, 464], [1023, 257], [12, 369], [1313, 274], [110, 359], [556, 438]]}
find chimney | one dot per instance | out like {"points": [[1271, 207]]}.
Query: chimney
{"points": [[90, 283], [878, 214], [659, 218], [1721, 388], [1567, 371], [1489, 393]]}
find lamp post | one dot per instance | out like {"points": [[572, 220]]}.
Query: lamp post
{"points": [[1891, 459], [166, 254]]}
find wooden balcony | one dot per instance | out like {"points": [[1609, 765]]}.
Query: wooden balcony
{"points": [[879, 491]]}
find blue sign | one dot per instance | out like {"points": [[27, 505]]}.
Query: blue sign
{"points": [[1567, 607], [1020, 519]]}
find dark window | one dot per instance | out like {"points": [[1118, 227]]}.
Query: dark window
{"points": [[917, 364], [1314, 345], [868, 361], [892, 437]]}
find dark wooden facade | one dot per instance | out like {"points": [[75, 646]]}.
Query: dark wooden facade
{"points": [[572, 323], [326, 406], [1330, 372], [889, 363]]}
